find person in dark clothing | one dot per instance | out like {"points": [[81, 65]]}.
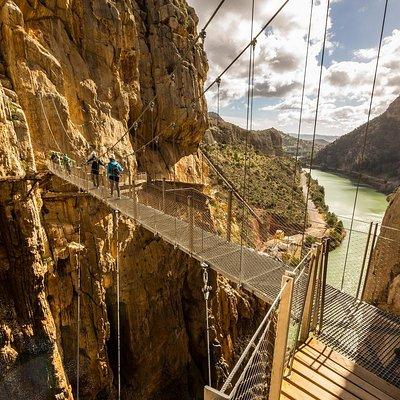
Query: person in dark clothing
{"points": [[114, 170], [95, 170]]}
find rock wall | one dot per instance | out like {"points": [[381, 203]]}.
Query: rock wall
{"points": [[83, 71], [75, 75], [383, 281]]}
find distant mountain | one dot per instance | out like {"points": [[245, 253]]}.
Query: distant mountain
{"points": [[304, 150], [380, 166], [319, 137], [267, 141]]}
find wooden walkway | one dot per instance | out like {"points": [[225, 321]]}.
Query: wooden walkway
{"points": [[320, 373]]}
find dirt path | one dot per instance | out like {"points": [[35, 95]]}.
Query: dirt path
{"points": [[315, 217]]}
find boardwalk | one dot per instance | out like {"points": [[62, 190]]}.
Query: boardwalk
{"points": [[319, 373], [362, 333]]}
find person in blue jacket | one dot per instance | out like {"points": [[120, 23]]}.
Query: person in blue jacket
{"points": [[114, 170]]}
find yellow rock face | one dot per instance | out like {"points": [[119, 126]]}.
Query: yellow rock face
{"points": [[76, 75], [383, 281]]}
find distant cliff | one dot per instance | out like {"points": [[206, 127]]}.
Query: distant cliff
{"points": [[267, 141], [380, 165]]}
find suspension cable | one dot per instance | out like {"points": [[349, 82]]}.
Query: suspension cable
{"points": [[249, 127], [206, 292], [78, 329], [303, 92], [118, 303], [47, 121], [315, 120], [360, 161], [244, 49], [218, 95], [201, 34]]}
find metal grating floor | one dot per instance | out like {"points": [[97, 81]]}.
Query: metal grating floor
{"points": [[362, 333]]}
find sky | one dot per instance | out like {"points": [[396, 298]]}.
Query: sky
{"points": [[352, 42]]}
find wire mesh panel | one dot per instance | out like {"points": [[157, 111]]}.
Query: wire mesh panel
{"points": [[250, 376], [185, 219], [301, 282]]}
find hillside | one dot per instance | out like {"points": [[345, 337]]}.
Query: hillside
{"points": [[270, 180], [380, 166], [267, 141], [290, 146]]}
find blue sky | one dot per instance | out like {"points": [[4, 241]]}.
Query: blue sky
{"points": [[354, 28]]}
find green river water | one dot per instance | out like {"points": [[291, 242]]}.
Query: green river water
{"points": [[371, 205]]}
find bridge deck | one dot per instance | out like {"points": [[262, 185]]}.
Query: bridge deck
{"points": [[362, 333], [258, 272]]}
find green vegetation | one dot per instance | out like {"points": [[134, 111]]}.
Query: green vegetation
{"points": [[271, 186], [336, 229]]}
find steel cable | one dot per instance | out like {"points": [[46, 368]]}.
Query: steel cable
{"points": [[365, 139]]}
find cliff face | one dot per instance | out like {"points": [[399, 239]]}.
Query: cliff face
{"points": [[75, 74], [93, 65], [383, 281], [381, 163]]}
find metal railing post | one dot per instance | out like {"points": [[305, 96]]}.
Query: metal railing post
{"points": [[369, 260], [135, 201], [318, 288], [281, 338], [323, 282], [229, 217], [163, 195], [308, 303], [364, 260], [130, 179], [191, 222]]}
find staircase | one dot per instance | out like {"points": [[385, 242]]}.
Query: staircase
{"points": [[320, 373]]}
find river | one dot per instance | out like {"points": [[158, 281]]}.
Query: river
{"points": [[371, 205]]}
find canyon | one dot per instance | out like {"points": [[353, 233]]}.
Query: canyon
{"points": [[75, 76]]}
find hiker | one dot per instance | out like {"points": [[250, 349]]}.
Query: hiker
{"points": [[114, 169], [67, 162], [95, 168]]}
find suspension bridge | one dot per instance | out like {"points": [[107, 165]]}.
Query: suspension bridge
{"points": [[354, 328], [316, 341]]}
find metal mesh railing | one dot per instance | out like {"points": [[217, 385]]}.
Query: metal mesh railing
{"points": [[250, 378], [251, 374], [189, 219]]}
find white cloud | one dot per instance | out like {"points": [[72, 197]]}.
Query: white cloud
{"points": [[280, 57]]}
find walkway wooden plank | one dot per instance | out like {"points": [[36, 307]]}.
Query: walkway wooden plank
{"points": [[332, 377], [321, 359], [342, 380], [356, 369], [291, 391]]}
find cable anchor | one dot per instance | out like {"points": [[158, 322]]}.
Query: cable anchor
{"points": [[206, 288], [203, 35]]}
